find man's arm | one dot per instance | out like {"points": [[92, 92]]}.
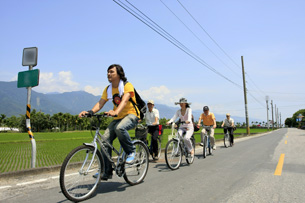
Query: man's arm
{"points": [[98, 106]]}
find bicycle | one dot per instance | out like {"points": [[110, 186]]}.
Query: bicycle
{"points": [[141, 134], [77, 180], [206, 141], [227, 139], [176, 148]]}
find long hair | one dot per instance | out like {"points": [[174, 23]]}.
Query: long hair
{"points": [[119, 70]]}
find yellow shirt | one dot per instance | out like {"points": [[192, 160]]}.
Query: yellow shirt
{"points": [[116, 100], [207, 120]]}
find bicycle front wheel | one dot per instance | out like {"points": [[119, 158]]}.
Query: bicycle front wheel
{"points": [[226, 140], [205, 146], [173, 154], [136, 172], [190, 158], [76, 179]]}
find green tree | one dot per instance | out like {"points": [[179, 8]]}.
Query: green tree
{"points": [[289, 122], [2, 119], [12, 122]]}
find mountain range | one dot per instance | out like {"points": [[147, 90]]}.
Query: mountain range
{"points": [[13, 102]]}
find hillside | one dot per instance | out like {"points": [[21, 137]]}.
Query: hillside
{"points": [[13, 102]]}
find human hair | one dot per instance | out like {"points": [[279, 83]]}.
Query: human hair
{"points": [[187, 105], [119, 70]]}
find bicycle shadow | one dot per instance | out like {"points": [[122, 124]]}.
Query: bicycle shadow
{"points": [[106, 187], [164, 167]]}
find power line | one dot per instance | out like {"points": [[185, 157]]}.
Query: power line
{"points": [[199, 39], [174, 41], [216, 43], [208, 34]]}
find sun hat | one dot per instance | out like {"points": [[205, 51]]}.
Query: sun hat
{"points": [[150, 102], [183, 100]]}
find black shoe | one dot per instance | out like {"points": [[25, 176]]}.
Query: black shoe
{"points": [[155, 158], [106, 177]]}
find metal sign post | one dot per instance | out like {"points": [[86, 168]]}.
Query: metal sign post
{"points": [[29, 79]]}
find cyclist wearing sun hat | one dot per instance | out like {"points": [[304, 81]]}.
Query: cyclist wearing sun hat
{"points": [[208, 119], [152, 120], [185, 115]]}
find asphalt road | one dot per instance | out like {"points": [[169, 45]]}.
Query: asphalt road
{"points": [[243, 173]]}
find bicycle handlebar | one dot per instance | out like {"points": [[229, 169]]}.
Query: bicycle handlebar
{"points": [[98, 115]]}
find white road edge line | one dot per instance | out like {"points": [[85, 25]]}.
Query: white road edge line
{"points": [[4, 187], [31, 182]]}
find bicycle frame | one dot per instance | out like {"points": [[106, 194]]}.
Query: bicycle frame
{"points": [[179, 138], [207, 133], [98, 138]]}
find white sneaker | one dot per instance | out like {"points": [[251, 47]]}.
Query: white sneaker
{"points": [[201, 144], [214, 147], [130, 158]]}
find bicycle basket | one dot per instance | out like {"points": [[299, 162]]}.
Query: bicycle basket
{"points": [[141, 132]]}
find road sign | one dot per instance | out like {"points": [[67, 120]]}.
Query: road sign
{"points": [[29, 57], [28, 78]]}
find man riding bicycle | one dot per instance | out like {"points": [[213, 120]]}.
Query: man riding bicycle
{"points": [[119, 92], [152, 121], [229, 123], [208, 119]]}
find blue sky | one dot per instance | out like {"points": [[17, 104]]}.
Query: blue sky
{"points": [[78, 40]]}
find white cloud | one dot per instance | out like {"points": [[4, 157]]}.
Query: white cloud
{"points": [[61, 82], [93, 90], [161, 94]]}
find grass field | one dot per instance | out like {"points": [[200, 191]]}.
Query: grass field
{"points": [[52, 148]]}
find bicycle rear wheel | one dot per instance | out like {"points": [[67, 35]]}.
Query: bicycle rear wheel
{"points": [[226, 140], [173, 154], [76, 178], [136, 172], [205, 146], [190, 158]]}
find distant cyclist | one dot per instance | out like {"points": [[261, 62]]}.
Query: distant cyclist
{"points": [[208, 119], [185, 116], [229, 123], [152, 121]]}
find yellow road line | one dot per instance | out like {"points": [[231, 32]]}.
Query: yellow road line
{"points": [[285, 141], [279, 167]]}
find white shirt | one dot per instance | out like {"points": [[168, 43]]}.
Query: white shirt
{"points": [[228, 123], [187, 117], [150, 117]]}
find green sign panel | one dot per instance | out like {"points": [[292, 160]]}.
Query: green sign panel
{"points": [[28, 78]]}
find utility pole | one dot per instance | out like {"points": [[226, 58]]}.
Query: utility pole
{"points": [[280, 120], [245, 96], [272, 114], [267, 98], [275, 115]]}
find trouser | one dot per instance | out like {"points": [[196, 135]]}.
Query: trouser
{"points": [[187, 137], [154, 131], [119, 128], [212, 139], [230, 129]]}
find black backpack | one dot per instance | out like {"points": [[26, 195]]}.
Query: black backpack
{"points": [[140, 104]]}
